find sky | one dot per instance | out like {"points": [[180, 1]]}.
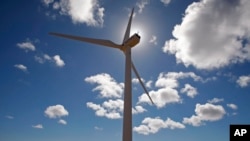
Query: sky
{"points": [[193, 57]]}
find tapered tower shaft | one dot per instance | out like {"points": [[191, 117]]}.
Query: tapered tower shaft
{"points": [[127, 111]]}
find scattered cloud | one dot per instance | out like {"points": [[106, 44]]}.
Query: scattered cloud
{"points": [[189, 90], [80, 11], [153, 125], [27, 46], [98, 128], [168, 84], [206, 34], [243, 81], [215, 100], [107, 85], [21, 67], [141, 5], [148, 84], [58, 61], [161, 97], [138, 109], [232, 106], [206, 112], [166, 2], [9, 117], [153, 40], [55, 59], [61, 121], [56, 111], [38, 126], [111, 109], [109, 88]]}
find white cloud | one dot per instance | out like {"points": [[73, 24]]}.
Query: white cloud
{"points": [[106, 110], [215, 100], [170, 79], [212, 34], [55, 59], [138, 109], [58, 61], [56, 111], [38, 126], [141, 5], [107, 85], [153, 40], [243, 81], [112, 109], [9, 117], [190, 90], [232, 106], [21, 67], [206, 112], [161, 97], [80, 11], [153, 125], [168, 84], [166, 2], [136, 80], [61, 121], [148, 84], [27, 46]]}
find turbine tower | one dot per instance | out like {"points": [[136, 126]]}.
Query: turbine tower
{"points": [[125, 47]]}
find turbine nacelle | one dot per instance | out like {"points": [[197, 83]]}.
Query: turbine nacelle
{"points": [[131, 42]]}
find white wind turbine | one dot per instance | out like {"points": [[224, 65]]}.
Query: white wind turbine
{"points": [[125, 47]]}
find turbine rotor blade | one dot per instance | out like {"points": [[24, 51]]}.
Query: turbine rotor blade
{"points": [[127, 33], [142, 84], [102, 42]]}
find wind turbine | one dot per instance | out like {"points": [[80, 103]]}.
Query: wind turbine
{"points": [[125, 47]]}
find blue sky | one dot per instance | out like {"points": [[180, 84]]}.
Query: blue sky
{"points": [[193, 57]]}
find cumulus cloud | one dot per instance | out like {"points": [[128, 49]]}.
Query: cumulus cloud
{"points": [[54, 59], [56, 111], [243, 81], [189, 90], [153, 125], [168, 84], [109, 88], [107, 85], [27, 46], [206, 112], [232, 106], [61, 121], [213, 34], [148, 84], [38, 126], [161, 97], [58, 61], [138, 109], [110, 109], [80, 11], [21, 67]]}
